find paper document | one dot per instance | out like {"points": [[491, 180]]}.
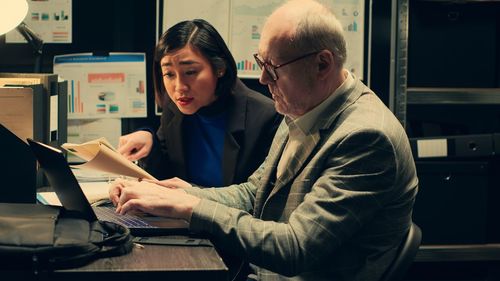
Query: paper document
{"points": [[102, 156], [94, 191], [93, 175]]}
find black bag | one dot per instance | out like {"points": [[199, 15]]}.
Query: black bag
{"points": [[39, 238]]}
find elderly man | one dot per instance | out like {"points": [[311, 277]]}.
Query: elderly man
{"points": [[334, 197]]}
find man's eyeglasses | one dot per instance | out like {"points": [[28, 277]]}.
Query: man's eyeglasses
{"points": [[271, 69]]}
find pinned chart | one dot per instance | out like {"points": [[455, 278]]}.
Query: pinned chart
{"points": [[111, 86]]}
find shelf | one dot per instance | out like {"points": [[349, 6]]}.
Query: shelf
{"points": [[444, 253], [453, 95], [462, 1]]}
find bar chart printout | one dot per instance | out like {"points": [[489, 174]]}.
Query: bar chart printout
{"points": [[104, 86], [247, 19]]}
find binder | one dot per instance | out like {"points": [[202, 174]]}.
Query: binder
{"points": [[61, 134], [25, 111], [480, 145], [496, 140]]}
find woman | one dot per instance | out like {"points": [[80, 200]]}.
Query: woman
{"points": [[214, 131]]}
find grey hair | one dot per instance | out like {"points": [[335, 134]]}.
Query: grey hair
{"points": [[319, 29]]}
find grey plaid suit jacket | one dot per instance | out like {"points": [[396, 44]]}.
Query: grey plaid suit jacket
{"points": [[338, 212]]}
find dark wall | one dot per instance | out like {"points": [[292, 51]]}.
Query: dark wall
{"points": [[380, 48], [454, 44], [116, 25]]}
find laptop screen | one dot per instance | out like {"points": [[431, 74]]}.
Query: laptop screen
{"points": [[62, 179]]}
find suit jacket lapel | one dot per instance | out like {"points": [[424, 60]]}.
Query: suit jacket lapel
{"points": [[269, 175], [298, 160], [234, 135], [174, 143]]}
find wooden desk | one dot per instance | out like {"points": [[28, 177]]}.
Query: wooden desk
{"points": [[151, 263]]}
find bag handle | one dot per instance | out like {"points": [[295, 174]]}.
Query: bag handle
{"points": [[117, 240]]}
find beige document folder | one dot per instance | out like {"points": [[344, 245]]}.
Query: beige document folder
{"points": [[16, 112], [102, 156]]}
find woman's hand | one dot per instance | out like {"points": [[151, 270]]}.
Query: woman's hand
{"points": [[136, 145], [171, 183]]}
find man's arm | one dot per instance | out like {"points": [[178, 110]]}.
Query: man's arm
{"points": [[238, 196], [343, 191]]}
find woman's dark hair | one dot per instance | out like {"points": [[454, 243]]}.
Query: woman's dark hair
{"points": [[203, 37]]}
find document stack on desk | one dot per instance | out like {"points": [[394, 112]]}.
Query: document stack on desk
{"points": [[96, 192], [85, 175]]}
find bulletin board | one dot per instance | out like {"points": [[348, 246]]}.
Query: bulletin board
{"points": [[240, 22]]}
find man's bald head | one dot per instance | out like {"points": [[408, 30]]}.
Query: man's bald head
{"points": [[302, 26]]}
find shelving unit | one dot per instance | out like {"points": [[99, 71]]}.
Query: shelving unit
{"points": [[402, 94], [455, 253], [431, 258], [471, 96], [399, 60]]}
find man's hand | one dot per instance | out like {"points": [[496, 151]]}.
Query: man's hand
{"points": [[151, 198], [136, 145]]}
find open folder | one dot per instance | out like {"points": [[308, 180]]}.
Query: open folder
{"points": [[102, 156]]}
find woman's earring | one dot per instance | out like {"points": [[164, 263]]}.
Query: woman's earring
{"points": [[220, 74]]}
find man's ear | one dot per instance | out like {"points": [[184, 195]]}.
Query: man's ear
{"points": [[326, 63]]}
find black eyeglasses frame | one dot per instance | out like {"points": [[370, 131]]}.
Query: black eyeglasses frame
{"points": [[271, 69]]}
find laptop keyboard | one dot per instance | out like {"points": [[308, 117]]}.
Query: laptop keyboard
{"points": [[130, 221]]}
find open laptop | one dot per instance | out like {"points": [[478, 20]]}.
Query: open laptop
{"points": [[66, 186]]}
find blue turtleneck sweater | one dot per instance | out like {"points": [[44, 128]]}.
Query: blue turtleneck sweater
{"points": [[204, 146]]}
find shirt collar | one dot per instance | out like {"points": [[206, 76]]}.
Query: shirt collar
{"points": [[305, 123]]}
